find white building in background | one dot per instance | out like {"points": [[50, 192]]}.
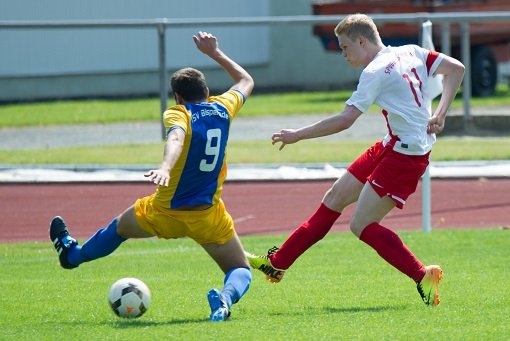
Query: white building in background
{"points": [[37, 64]]}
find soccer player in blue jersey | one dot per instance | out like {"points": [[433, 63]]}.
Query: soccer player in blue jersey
{"points": [[187, 201]]}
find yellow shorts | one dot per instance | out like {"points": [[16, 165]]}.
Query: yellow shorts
{"points": [[213, 225]]}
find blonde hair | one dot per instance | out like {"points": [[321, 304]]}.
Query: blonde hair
{"points": [[356, 25]]}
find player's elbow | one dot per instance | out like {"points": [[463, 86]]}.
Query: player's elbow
{"points": [[461, 71], [456, 74], [346, 121], [250, 84], [245, 85], [455, 68]]}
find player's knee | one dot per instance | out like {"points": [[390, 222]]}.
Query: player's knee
{"points": [[357, 226], [335, 201], [121, 227]]}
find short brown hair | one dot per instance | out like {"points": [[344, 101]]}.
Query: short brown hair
{"points": [[190, 84], [356, 25]]}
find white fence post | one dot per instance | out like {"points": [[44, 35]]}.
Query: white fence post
{"points": [[426, 200], [435, 87]]}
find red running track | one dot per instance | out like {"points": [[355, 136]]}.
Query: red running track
{"points": [[257, 207]]}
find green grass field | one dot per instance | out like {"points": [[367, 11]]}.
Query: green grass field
{"points": [[103, 111], [340, 290], [256, 152], [277, 104]]}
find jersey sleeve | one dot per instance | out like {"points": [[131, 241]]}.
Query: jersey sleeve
{"points": [[367, 90], [431, 58], [232, 100], [176, 117]]}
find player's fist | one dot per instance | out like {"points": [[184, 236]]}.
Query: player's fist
{"points": [[206, 42], [435, 125], [158, 176]]}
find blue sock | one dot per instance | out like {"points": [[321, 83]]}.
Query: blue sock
{"points": [[102, 243], [237, 281]]}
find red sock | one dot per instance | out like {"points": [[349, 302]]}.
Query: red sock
{"points": [[309, 233], [390, 247]]}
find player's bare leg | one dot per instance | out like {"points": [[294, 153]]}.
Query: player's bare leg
{"points": [[345, 191], [128, 226], [370, 208]]}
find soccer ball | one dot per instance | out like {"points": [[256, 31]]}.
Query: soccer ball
{"points": [[129, 297]]}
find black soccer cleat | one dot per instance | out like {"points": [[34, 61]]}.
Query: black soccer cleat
{"points": [[62, 241]]}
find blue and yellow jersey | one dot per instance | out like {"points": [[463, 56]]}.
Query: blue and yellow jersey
{"points": [[198, 175]]}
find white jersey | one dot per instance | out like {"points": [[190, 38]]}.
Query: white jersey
{"points": [[397, 80]]}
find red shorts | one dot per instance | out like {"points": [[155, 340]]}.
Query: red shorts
{"points": [[390, 173]]}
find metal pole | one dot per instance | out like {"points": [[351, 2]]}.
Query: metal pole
{"points": [[426, 205], [426, 41], [446, 47], [163, 83], [465, 45]]}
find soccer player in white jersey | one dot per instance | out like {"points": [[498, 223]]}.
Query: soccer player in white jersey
{"points": [[396, 79]]}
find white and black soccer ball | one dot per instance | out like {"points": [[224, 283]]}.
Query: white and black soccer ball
{"points": [[129, 297]]}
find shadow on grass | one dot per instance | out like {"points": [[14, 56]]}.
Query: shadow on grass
{"points": [[341, 310], [327, 98], [362, 309], [132, 323]]}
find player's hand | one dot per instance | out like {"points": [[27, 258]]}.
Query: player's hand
{"points": [[158, 176], [206, 42], [435, 125], [285, 136]]}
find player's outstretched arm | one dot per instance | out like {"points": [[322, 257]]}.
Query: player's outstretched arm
{"points": [[325, 127], [208, 44]]}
